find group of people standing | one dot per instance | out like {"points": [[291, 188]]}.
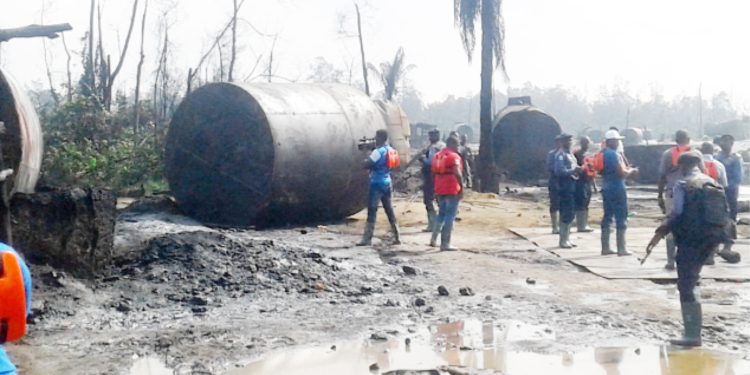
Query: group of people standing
{"points": [[446, 172], [572, 182]]}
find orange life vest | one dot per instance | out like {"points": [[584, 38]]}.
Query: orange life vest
{"points": [[12, 300], [443, 163], [676, 152], [588, 167], [711, 170], [391, 159]]}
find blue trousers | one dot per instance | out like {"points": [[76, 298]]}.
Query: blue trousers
{"points": [[583, 194], [448, 205], [732, 194], [615, 207], [554, 195], [376, 195], [567, 192], [6, 366]]}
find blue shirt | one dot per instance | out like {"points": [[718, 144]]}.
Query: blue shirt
{"points": [[432, 151], [6, 366], [733, 165], [550, 161], [380, 174], [565, 162], [611, 181]]}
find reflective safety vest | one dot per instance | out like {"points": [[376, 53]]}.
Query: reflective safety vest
{"points": [[12, 300], [711, 170], [391, 159], [676, 152]]}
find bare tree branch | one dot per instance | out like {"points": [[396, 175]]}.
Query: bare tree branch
{"points": [[70, 80], [34, 31], [234, 42], [138, 74], [114, 74]]}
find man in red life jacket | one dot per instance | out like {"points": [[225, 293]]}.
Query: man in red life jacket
{"points": [[584, 186], [446, 167], [669, 173], [15, 302]]}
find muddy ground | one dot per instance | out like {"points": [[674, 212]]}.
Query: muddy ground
{"points": [[206, 300]]}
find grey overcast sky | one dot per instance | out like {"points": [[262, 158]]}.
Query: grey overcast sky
{"points": [[671, 46]]}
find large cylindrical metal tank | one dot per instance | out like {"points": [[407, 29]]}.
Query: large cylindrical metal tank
{"points": [[245, 154], [21, 143], [399, 129], [522, 135]]}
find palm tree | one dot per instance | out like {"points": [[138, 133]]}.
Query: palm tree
{"points": [[390, 73], [466, 13]]}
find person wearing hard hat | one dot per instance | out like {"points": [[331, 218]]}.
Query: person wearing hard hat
{"points": [[15, 302], [614, 194]]}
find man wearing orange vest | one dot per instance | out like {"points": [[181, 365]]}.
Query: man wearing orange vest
{"points": [[669, 173], [715, 170], [380, 163], [449, 189], [15, 302]]}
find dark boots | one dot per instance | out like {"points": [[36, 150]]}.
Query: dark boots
{"points": [[367, 236], [396, 234], [692, 317]]}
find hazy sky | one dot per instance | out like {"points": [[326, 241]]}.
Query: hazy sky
{"points": [[671, 46]]}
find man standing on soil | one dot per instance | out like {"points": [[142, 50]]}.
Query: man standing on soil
{"points": [[668, 175], [584, 186], [554, 197], [467, 158], [614, 194], [428, 185], [567, 173], [24, 297], [449, 190], [733, 164], [697, 220], [380, 163]]}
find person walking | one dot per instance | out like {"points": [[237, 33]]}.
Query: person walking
{"points": [[733, 165], [449, 190], [668, 174], [380, 163], [614, 194], [554, 196], [585, 185], [428, 184], [467, 158], [567, 173], [697, 220]]}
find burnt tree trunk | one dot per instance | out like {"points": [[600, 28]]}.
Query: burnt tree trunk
{"points": [[488, 183], [362, 50]]}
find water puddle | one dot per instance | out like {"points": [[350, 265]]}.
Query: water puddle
{"points": [[491, 346], [149, 366]]}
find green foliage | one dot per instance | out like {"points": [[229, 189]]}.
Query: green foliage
{"points": [[85, 145]]}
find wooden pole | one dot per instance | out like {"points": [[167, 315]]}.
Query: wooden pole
{"points": [[34, 31]]}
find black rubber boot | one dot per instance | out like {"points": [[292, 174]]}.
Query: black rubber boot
{"points": [[367, 236]]}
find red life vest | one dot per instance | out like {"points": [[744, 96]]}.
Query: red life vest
{"points": [[711, 170], [12, 300], [676, 152], [588, 167], [391, 159], [443, 163]]}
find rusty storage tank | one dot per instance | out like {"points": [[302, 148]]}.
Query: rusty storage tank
{"points": [[399, 129], [521, 137], [647, 158], [464, 129], [270, 153], [22, 142]]}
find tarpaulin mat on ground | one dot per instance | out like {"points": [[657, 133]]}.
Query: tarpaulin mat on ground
{"points": [[588, 255]]}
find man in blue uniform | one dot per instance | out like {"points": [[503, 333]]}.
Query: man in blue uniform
{"points": [[567, 173], [428, 184], [614, 194], [380, 190], [554, 198], [6, 366], [733, 165], [697, 220]]}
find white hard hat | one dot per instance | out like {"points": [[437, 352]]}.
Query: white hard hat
{"points": [[612, 134]]}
